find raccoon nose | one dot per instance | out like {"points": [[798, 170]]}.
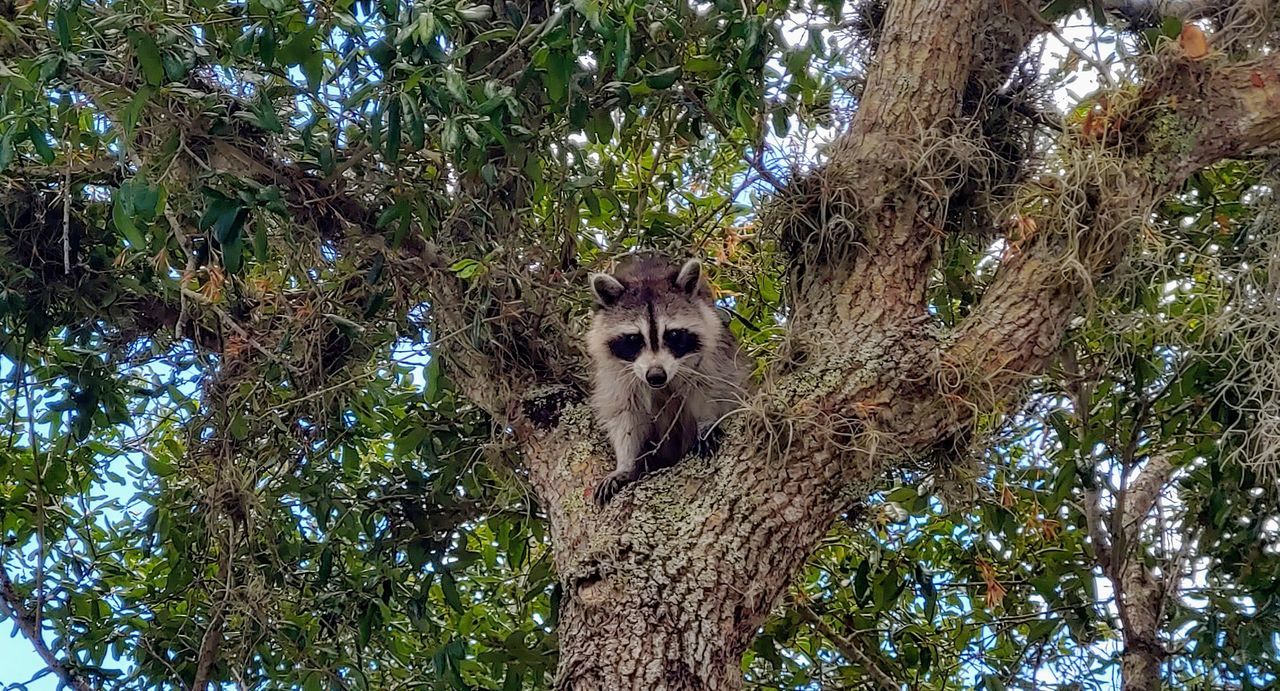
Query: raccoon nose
{"points": [[656, 376]]}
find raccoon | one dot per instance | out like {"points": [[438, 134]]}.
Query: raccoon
{"points": [[666, 367]]}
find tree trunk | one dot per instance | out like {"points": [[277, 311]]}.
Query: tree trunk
{"points": [[665, 587], [1140, 592], [1143, 604]]}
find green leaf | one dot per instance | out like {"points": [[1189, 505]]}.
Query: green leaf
{"points": [[123, 223], [300, 47], [148, 57], [456, 86], [622, 51], [432, 377], [260, 240], [383, 53], [1041, 629], [1060, 8], [781, 122], [1098, 11], [465, 268], [391, 213], [475, 13], [602, 124], [414, 124], [267, 44], [449, 587], [664, 79], [313, 68], [143, 200], [560, 69], [703, 65], [62, 26], [366, 627], [861, 581], [6, 151], [133, 111], [393, 131], [266, 112], [8, 76], [40, 142]]}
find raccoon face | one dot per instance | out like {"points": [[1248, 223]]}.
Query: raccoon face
{"points": [[655, 351], [653, 320]]}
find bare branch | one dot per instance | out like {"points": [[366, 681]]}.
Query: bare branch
{"points": [[1099, 207], [208, 651], [1104, 74]]}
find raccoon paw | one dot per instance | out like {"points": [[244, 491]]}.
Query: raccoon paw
{"points": [[611, 485], [709, 439]]}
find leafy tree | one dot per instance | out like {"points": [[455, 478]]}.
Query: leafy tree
{"points": [[292, 296]]}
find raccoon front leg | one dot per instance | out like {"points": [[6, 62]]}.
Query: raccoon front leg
{"points": [[627, 434], [709, 438]]}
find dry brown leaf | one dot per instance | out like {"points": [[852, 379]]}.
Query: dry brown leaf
{"points": [[233, 345], [1049, 528], [212, 287], [1193, 42], [1092, 125], [995, 591], [1007, 499]]}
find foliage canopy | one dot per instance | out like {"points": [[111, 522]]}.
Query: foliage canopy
{"points": [[231, 451]]}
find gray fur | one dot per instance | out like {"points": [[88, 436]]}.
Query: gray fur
{"points": [[606, 289], [654, 427]]}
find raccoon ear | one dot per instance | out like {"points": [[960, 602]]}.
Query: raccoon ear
{"points": [[690, 276], [606, 288]]}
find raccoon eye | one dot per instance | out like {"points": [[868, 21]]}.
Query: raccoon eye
{"points": [[681, 341], [627, 347]]}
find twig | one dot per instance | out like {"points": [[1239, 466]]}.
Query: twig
{"points": [[1103, 75], [849, 649], [11, 606], [189, 271], [753, 161], [66, 216], [230, 322], [322, 391]]}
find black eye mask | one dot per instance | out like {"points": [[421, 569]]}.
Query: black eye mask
{"points": [[626, 347], [681, 342]]}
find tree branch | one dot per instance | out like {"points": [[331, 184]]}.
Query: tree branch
{"points": [[1224, 109], [1092, 214], [851, 650], [11, 606], [1139, 592], [1143, 492], [1155, 9]]}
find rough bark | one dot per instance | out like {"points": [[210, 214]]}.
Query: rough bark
{"points": [[667, 585], [1139, 591]]}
